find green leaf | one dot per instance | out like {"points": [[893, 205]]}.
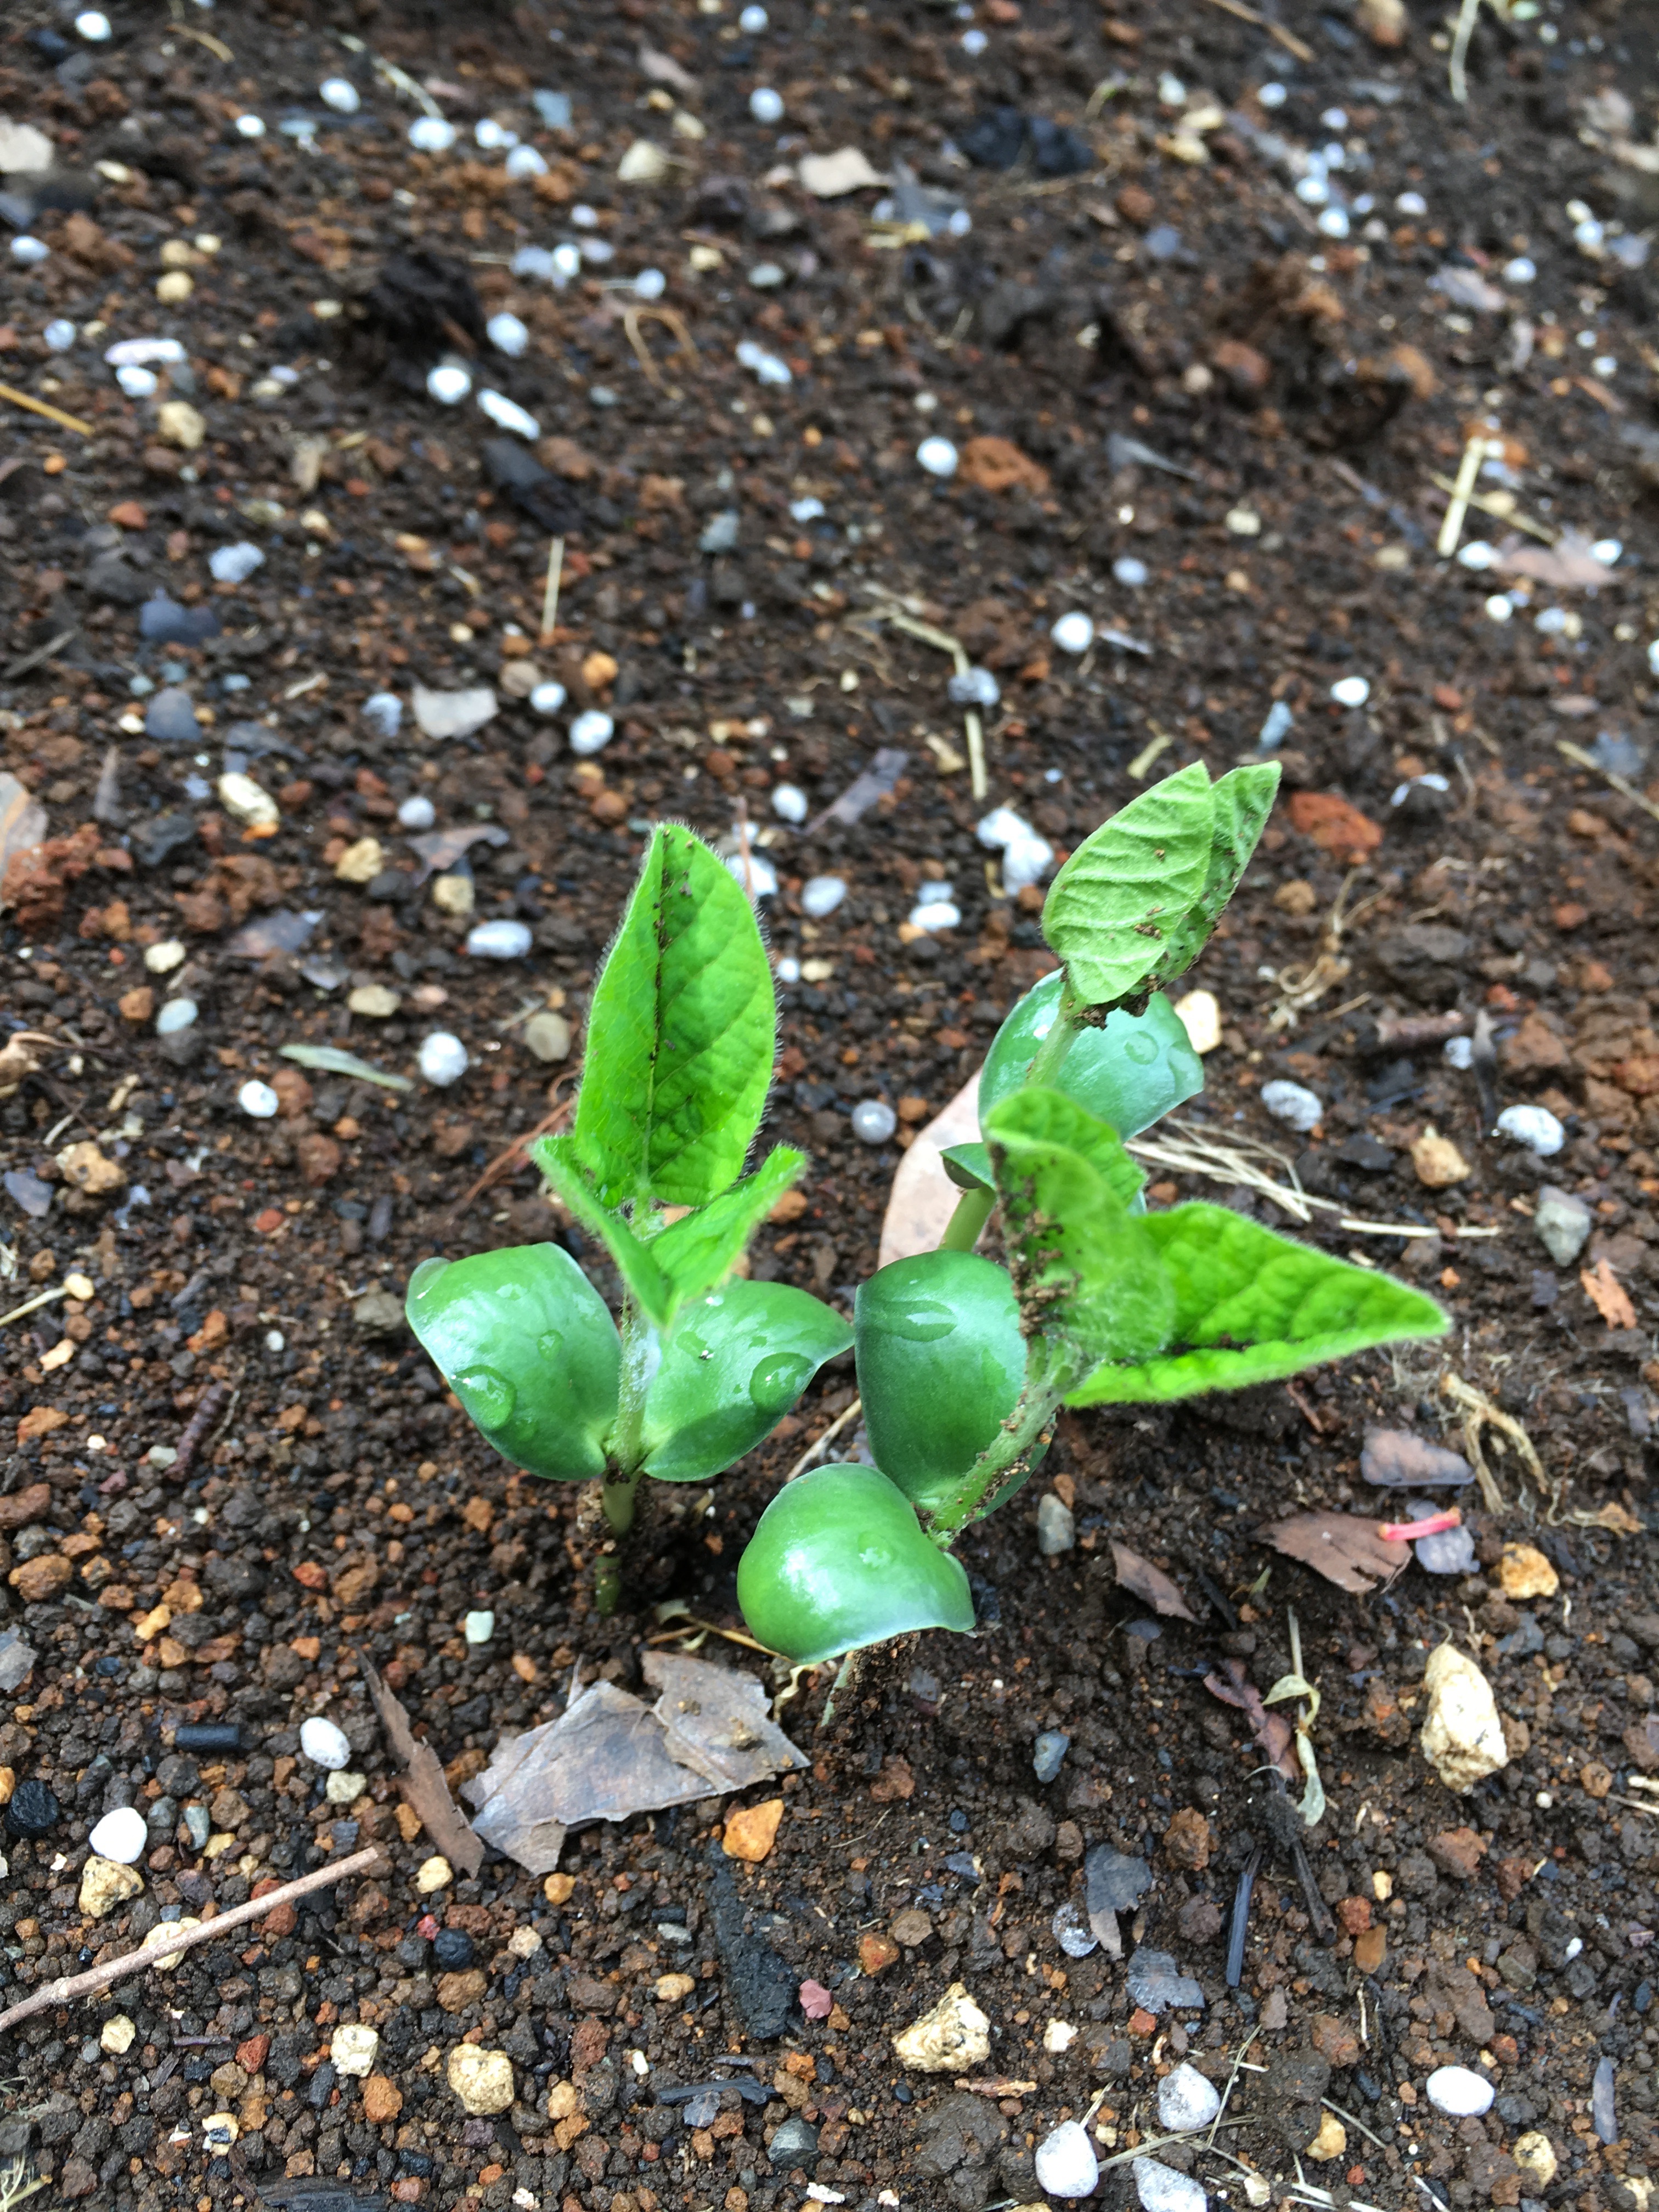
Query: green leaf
{"points": [[969, 1167], [1129, 1072], [941, 1364], [680, 1035], [699, 1249], [838, 1561], [558, 1160], [1086, 1271], [1242, 802], [1253, 1307], [1111, 909], [524, 1341], [733, 1363]]}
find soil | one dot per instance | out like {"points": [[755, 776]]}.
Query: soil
{"points": [[1300, 393]]}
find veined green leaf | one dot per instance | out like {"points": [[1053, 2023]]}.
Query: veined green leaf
{"points": [[1242, 802], [1252, 1307], [1110, 910], [559, 1161], [698, 1249], [680, 1035], [1086, 1271]]}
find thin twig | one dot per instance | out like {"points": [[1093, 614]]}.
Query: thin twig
{"points": [[39, 407], [551, 594], [216, 1401], [828, 1437], [67, 1989], [1621, 784], [32, 1305], [1455, 79], [41, 652], [1495, 508], [1468, 469], [1277, 32], [973, 728]]}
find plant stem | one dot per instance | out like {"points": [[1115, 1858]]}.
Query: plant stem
{"points": [[1051, 1052], [617, 1494], [973, 1212], [1021, 1434], [607, 1585]]}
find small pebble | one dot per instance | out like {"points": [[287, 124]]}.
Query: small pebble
{"points": [[1066, 2162], [342, 1786], [1186, 2100], [1351, 690], [821, 895], [1161, 2189], [431, 134], [234, 564], [753, 21], [341, 94], [498, 940], [525, 161], [31, 1810], [765, 105], [506, 334], [937, 456], [547, 1036], [94, 26], [1130, 572], [137, 383], [506, 414], [1026, 858], [417, 813], [547, 698], [873, 1120], [1056, 1528], [789, 803], [121, 1836], [1535, 1127], [975, 687], [353, 2047], [1459, 1052], [1073, 633], [117, 2035], [590, 732], [177, 1014], [322, 1743], [454, 1949], [448, 383], [788, 970], [973, 43], [755, 872], [934, 915], [1048, 1754], [258, 1100], [650, 284], [478, 1627], [250, 126], [434, 1874], [383, 711], [1455, 2090], [442, 1059], [58, 336], [1300, 1108]]}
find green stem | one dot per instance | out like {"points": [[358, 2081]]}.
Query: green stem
{"points": [[1051, 1052], [1022, 1433], [973, 1212], [607, 1583], [617, 1494]]}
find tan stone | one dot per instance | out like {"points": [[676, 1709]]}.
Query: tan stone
{"points": [[1331, 2141], [953, 2037], [1462, 1737], [673, 1989], [563, 2101], [482, 2078], [87, 1168], [41, 1578], [457, 1991], [1524, 1572], [362, 861], [1437, 1161], [752, 1832], [104, 1885], [179, 424], [382, 2100], [1535, 2154]]}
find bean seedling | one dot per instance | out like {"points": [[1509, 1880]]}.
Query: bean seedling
{"points": [[963, 1361]]}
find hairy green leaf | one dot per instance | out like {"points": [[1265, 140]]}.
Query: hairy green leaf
{"points": [[560, 1162], [699, 1248], [680, 1035], [1252, 1307], [524, 1341], [1111, 909], [1242, 802], [1130, 1071], [733, 1363], [1086, 1271]]}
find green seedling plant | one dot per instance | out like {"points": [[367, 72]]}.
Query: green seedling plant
{"points": [[963, 1361]]}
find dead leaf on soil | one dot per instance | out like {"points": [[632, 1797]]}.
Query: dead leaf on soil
{"points": [[1148, 1582], [1271, 1730], [423, 1778], [1569, 564], [440, 849], [22, 821], [1608, 1295], [718, 1720], [1344, 1548], [1398, 1459]]}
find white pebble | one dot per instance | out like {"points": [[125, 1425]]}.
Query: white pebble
{"points": [[1186, 2100], [1521, 271], [341, 94], [136, 383], [788, 970], [1312, 190], [1535, 1127], [1653, 657], [1333, 224], [807, 510], [121, 1836], [1066, 2162], [442, 1059], [506, 334], [973, 43], [478, 1627], [1459, 1052], [933, 915], [29, 251], [1351, 690], [506, 414], [1130, 572], [937, 456], [1477, 554], [1411, 203], [975, 687], [525, 161], [58, 336], [431, 134], [234, 564], [765, 105], [1073, 633], [753, 21], [250, 126], [94, 26], [352, 2048], [1056, 1526], [488, 134], [1606, 551], [383, 711], [258, 1099], [874, 1120], [448, 383], [1455, 2090], [177, 1014], [1273, 96], [324, 1744], [1161, 2189], [1026, 857], [1300, 1108], [650, 284], [547, 698], [755, 872], [498, 940], [567, 262], [141, 353], [417, 813], [821, 895], [590, 732], [789, 802]]}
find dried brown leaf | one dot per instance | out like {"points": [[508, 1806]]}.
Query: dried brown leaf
{"points": [[1608, 1295], [1271, 1730], [1141, 1576], [423, 1778], [1342, 1546]]}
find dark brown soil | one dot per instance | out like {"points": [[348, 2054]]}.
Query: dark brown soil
{"points": [[1309, 391]]}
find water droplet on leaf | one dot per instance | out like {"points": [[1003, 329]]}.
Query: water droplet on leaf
{"points": [[779, 1381], [488, 1396]]}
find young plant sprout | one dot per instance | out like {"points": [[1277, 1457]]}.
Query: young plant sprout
{"points": [[963, 1361]]}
